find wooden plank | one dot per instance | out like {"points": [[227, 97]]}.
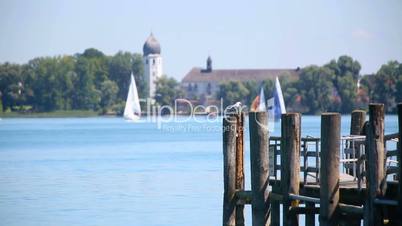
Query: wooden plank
{"points": [[392, 169], [290, 164], [259, 160], [375, 164], [329, 169], [304, 198], [391, 136], [392, 153], [312, 169], [243, 197], [307, 139], [304, 210], [351, 209], [345, 181], [239, 166], [276, 196], [388, 202], [229, 170]]}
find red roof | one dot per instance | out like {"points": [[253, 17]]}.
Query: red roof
{"points": [[200, 75]]}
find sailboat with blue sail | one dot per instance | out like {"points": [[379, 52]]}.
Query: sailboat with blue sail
{"points": [[276, 104]]}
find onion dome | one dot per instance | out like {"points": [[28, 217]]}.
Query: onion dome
{"points": [[151, 46]]}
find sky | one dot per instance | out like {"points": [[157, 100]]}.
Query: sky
{"points": [[236, 34]]}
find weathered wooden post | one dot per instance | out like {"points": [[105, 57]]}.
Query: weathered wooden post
{"points": [[310, 218], [290, 164], [329, 169], [239, 166], [259, 160], [275, 211], [400, 161], [229, 170], [376, 183], [358, 119]]}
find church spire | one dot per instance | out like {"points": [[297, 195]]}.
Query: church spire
{"points": [[209, 64]]}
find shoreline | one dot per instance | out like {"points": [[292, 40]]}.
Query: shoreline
{"points": [[53, 114], [86, 114]]}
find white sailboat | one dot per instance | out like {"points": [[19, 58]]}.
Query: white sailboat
{"points": [[279, 96], [132, 111], [262, 106], [276, 104]]}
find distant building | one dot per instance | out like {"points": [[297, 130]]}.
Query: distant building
{"points": [[152, 63], [204, 83]]}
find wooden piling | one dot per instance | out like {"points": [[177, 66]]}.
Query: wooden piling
{"points": [[376, 183], [259, 160], [358, 119], [310, 218], [275, 206], [239, 166], [400, 162], [290, 164], [329, 169], [229, 170]]}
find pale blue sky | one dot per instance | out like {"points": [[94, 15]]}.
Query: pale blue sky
{"points": [[237, 34]]}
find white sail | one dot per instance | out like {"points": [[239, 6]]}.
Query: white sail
{"points": [[280, 96], [132, 111], [271, 107], [271, 114], [262, 106]]}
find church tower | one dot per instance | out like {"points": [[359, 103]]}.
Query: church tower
{"points": [[152, 63]]}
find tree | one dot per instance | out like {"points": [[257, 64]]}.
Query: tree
{"points": [[291, 94], [399, 84], [109, 90], [167, 91], [346, 71], [93, 53], [316, 89], [119, 72], [232, 92], [92, 80], [137, 67], [11, 85], [386, 85], [345, 65], [253, 91], [65, 77], [49, 83], [41, 78], [86, 97]]}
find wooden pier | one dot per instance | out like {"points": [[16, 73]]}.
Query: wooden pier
{"points": [[351, 180]]}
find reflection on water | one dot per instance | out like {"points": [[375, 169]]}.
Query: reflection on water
{"points": [[104, 171]]}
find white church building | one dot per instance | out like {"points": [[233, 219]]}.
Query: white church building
{"points": [[152, 63]]}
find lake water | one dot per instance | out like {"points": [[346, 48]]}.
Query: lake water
{"points": [[105, 171]]}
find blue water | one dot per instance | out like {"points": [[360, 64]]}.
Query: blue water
{"points": [[105, 171]]}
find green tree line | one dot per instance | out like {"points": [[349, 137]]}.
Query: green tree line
{"points": [[85, 81], [331, 87], [94, 81]]}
